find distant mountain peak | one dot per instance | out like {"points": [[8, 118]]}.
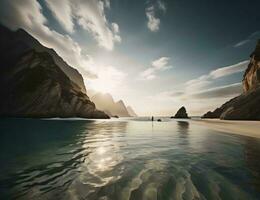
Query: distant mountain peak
{"points": [[105, 102], [131, 111]]}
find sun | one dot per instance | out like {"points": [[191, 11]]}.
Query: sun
{"points": [[109, 80]]}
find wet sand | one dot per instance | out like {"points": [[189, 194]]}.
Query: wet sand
{"points": [[247, 128]]}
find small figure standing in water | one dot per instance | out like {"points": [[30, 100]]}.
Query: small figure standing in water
{"points": [[152, 119]]}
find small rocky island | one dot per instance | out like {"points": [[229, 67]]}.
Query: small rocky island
{"points": [[181, 113], [245, 106]]}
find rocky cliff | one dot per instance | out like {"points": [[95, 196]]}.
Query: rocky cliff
{"points": [[251, 80], [246, 106], [106, 103], [16, 43], [36, 87], [131, 111]]}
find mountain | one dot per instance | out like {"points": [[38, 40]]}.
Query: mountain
{"points": [[16, 43], [245, 106], [120, 109], [34, 85], [131, 111], [106, 103]]}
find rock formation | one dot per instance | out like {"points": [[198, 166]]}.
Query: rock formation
{"points": [[131, 111], [246, 106], [16, 43], [106, 103], [251, 80], [34, 85], [181, 113]]}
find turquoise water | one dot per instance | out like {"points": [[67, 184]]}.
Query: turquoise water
{"points": [[125, 159]]}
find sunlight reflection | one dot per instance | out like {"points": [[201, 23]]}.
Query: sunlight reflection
{"points": [[101, 150], [99, 166]]}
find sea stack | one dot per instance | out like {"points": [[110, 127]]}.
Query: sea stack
{"points": [[245, 106], [181, 113]]}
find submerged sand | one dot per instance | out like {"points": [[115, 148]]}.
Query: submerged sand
{"points": [[246, 128]]}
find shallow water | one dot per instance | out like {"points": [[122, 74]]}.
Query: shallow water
{"points": [[125, 159]]}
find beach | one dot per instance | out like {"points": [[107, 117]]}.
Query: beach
{"points": [[246, 128]]}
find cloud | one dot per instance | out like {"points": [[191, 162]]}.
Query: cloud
{"points": [[160, 64], [90, 15], [153, 22], [162, 6], [205, 80], [27, 14], [219, 92], [253, 36], [198, 94], [232, 69], [62, 12], [110, 80], [226, 91], [241, 43]]}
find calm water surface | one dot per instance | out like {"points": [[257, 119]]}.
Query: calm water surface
{"points": [[125, 159]]}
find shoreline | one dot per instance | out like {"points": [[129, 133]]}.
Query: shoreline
{"points": [[245, 128]]}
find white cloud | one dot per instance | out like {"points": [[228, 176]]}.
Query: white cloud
{"points": [[232, 69], [219, 92], [160, 64], [90, 15], [253, 36], [205, 80], [62, 12], [197, 94], [162, 6], [153, 22], [241, 43]]}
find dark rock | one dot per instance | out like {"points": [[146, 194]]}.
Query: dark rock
{"points": [[15, 43], [159, 120], [181, 113], [215, 114], [245, 106], [251, 79], [36, 87]]}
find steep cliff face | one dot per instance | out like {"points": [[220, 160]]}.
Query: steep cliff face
{"points": [[251, 79], [34, 86], [16, 43], [246, 106]]}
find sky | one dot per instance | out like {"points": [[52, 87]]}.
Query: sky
{"points": [[156, 55]]}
